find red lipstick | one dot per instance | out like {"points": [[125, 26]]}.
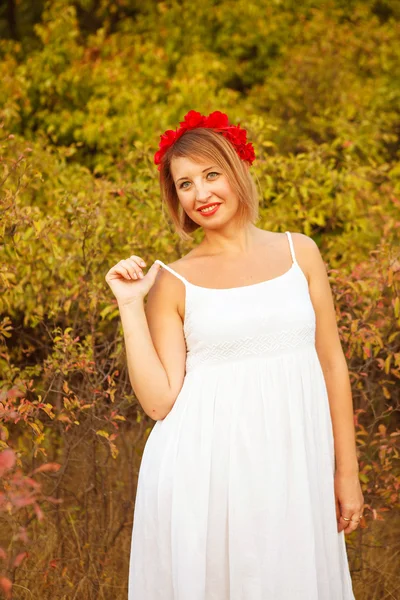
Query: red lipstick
{"points": [[209, 212]]}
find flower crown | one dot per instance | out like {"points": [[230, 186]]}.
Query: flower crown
{"points": [[215, 120]]}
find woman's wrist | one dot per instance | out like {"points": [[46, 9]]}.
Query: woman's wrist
{"points": [[347, 468], [132, 302]]}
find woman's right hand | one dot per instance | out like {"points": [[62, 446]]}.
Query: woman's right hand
{"points": [[127, 281]]}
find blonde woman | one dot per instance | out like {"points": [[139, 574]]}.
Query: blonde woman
{"points": [[249, 478]]}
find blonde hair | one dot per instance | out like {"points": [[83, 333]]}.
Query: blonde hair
{"points": [[202, 143]]}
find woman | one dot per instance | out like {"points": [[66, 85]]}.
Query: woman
{"points": [[249, 478]]}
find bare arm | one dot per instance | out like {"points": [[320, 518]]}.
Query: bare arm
{"points": [[154, 341], [331, 357]]}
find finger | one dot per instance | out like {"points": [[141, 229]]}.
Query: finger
{"points": [[337, 507], [344, 516], [139, 260], [131, 267], [351, 527], [341, 524], [124, 271], [118, 270], [348, 526], [135, 267], [155, 267]]}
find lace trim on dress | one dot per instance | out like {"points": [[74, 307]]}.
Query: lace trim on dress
{"points": [[263, 345]]}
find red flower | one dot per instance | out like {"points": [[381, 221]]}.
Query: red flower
{"points": [[167, 138], [236, 135], [192, 120], [216, 120]]}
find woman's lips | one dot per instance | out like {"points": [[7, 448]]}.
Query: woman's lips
{"points": [[210, 212]]}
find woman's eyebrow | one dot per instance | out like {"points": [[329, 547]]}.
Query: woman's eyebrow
{"points": [[212, 167]]}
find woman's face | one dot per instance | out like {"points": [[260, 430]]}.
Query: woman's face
{"points": [[201, 184]]}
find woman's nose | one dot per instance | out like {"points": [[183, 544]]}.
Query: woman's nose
{"points": [[202, 192]]}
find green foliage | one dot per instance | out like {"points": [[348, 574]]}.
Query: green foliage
{"points": [[87, 88]]}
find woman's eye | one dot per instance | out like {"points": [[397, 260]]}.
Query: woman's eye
{"points": [[184, 187]]}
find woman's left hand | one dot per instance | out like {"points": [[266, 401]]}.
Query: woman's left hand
{"points": [[349, 501]]}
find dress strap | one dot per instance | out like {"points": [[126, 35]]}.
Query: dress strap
{"points": [[172, 271], [291, 246]]}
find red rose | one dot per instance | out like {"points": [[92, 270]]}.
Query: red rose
{"points": [[249, 153], [157, 157], [217, 120], [192, 120], [167, 138], [236, 135]]}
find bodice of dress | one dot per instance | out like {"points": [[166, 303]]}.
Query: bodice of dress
{"points": [[263, 319]]}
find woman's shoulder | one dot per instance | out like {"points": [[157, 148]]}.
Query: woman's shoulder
{"points": [[304, 248], [277, 241], [306, 252], [186, 264]]}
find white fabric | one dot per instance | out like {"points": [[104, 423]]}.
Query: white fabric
{"points": [[235, 498]]}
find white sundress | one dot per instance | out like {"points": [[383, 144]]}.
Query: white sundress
{"points": [[235, 496]]}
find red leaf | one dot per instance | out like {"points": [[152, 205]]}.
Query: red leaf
{"points": [[23, 535], [18, 560], [7, 460], [47, 467], [32, 483], [14, 393], [20, 501], [39, 512], [6, 586]]}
